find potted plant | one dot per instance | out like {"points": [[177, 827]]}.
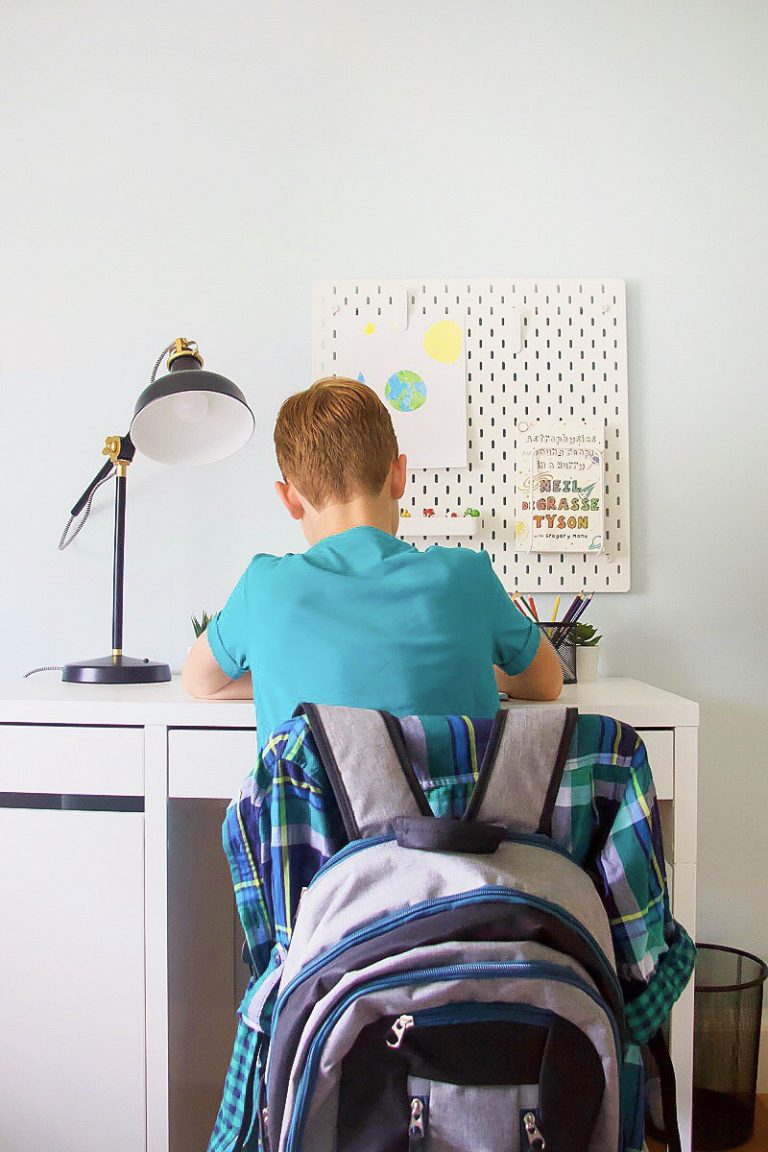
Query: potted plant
{"points": [[587, 653], [201, 624]]}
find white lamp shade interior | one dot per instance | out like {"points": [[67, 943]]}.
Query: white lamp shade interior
{"points": [[195, 427]]}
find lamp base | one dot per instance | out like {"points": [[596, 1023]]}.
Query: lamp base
{"points": [[116, 670]]}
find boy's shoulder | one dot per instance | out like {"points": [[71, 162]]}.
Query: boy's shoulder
{"points": [[458, 555], [266, 567], [263, 565], [473, 560]]}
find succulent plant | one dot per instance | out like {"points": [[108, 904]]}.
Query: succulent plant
{"points": [[201, 624], [586, 636]]}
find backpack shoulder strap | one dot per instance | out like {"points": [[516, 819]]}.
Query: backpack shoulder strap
{"points": [[523, 767], [364, 755]]}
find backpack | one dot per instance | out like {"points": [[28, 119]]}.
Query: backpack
{"points": [[450, 984]]}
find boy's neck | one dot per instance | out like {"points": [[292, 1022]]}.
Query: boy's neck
{"points": [[360, 512]]}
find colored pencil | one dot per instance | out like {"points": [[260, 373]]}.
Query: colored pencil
{"points": [[554, 610], [573, 608], [583, 607], [533, 609], [520, 604]]}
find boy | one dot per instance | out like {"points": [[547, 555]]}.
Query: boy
{"points": [[361, 618]]}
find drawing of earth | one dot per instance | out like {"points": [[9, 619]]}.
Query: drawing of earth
{"points": [[405, 391]]}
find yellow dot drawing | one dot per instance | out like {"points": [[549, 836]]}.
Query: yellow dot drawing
{"points": [[369, 329], [443, 341], [521, 530]]}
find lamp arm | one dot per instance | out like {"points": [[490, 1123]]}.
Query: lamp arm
{"points": [[121, 451], [125, 451]]}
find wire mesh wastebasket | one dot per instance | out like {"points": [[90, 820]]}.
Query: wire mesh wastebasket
{"points": [[728, 1002]]}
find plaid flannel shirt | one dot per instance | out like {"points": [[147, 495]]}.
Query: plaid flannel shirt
{"points": [[285, 825]]}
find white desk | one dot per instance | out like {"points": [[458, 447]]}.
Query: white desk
{"points": [[122, 976]]}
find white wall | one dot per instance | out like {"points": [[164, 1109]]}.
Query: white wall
{"points": [[190, 169]]}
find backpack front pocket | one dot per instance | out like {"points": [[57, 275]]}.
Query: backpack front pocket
{"points": [[527, 1023], [470, 1076]]}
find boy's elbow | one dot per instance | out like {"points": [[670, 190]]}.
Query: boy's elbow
{"points": [[200, 675], [547, 687], [553, 680], [190, 682], [552, 691], [543, 680]]}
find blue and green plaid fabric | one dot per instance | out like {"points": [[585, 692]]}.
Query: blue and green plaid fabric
{"points": [[285, 825]]}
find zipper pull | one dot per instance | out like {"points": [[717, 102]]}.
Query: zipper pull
{"points": [[536, 1141], [265, 1129], [416, 1122], [399, 1029]]}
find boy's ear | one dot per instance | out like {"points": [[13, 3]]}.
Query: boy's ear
{"points": [[290, 499], [398, 476]]}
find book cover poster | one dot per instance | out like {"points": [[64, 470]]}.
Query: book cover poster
{"points": [[559, 486], [417, 367]]}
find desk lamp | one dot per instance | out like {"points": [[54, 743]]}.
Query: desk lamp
{"points": [[189, 416]]}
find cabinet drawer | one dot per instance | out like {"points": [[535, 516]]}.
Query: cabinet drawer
{"points": [[209, 763], [660, 744], [71, 758]]}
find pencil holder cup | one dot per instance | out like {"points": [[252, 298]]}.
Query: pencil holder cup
{"points": [[563, 639]]}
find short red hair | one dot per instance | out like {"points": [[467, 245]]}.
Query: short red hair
{"points": [[335, 441]]}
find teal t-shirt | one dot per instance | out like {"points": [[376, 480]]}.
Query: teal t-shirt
{"points": [[366, 620]]}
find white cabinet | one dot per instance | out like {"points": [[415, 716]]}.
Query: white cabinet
{"points": [[72, 981], [120, 969]]}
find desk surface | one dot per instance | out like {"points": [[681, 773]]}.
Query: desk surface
{"points": [[44, 699]]}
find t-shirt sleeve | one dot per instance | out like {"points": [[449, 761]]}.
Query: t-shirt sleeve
{"points": [[229, 630], [515, 638]]}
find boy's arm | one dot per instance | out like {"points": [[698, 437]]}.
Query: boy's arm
{"points": [[541, 680], [202, 676]]}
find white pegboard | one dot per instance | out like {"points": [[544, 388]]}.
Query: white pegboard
{"points": [[573, 363]]}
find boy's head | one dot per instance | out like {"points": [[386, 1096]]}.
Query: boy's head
{"points": [[335, 445]]}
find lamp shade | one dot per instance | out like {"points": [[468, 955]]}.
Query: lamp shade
{"points": [[191, 416]]}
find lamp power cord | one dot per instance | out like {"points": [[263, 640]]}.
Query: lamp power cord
{"points": [[158, 362], [64, 542]]}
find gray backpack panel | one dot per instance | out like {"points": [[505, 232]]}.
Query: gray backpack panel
{"points": [[378, 881]]}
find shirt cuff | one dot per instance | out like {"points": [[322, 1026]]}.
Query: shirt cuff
{"points": [[646, 1013], [525, 657], [229, 666]]}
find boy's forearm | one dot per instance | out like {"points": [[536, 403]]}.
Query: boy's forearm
{"points": [[240, 689], [202, 677], [522, 688], [541, 680]]}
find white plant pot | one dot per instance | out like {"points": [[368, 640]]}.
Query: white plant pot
{"points": [[586, 663]]}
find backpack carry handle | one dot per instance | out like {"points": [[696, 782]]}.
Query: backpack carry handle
{"points": [[442, 834]]}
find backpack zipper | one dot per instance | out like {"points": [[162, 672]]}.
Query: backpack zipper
{"points": [[479, 971], [349, 850], [399, 1029], [536, 1142], [532, 838], [416, 1127], [468, 1011]]}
